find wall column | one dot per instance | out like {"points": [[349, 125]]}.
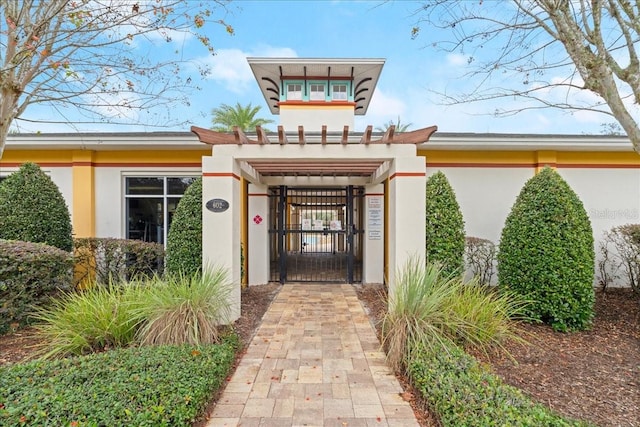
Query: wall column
{"points": [[546, 158], [221, 227], [258, 251], [83, 209], [373, 239], [406, 222]]}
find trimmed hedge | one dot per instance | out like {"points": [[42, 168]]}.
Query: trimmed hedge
{"points": [[546, 253], [184, 242], [107, 260], [152, 386], [32, 209], [463, 393], [30, 275], [444, 226]]}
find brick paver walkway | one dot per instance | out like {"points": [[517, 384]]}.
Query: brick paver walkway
{"points": [[315, 361]]}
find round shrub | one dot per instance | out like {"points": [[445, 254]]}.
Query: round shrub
{"points": [[184, 242], [33, 210], [444, 226], [546, 253]]}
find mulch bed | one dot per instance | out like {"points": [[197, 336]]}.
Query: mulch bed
{"points": [[592, 375]]}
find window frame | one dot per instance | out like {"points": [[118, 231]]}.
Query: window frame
{"points": [[288, 92], [164, 198], [317, 97], [333, 91]]}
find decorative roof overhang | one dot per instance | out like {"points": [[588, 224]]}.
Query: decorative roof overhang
{"points": [[271, 72], [314, 166]]}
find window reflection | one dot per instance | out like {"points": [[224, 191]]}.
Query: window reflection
{"points": [[150, 205]]}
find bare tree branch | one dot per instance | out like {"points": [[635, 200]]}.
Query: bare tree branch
{"points": [[88, 55], [542, 48]]}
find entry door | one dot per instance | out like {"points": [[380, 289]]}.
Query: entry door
{"points": [[316, 234]]}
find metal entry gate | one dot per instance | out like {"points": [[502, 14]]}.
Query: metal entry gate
{"points": [[316, 234]]}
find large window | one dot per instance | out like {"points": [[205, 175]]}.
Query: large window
{"points": [[150, 205], [316, 92], [294, 92]]}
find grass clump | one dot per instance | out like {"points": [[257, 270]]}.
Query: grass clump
{"points": [[430, 308], [463, 393], [185, 309], [177, 309], [150, 386], [100, 318]]}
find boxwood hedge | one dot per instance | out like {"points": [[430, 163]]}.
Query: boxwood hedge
{"points": [[150, 386]]}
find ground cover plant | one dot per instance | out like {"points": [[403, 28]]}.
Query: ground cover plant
{"points": [[32, 209], [546, 253], [445, 239], [463, 393], [158, 386]]}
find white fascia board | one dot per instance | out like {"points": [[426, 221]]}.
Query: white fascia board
{"points": [[106, 141], [515, 142]]}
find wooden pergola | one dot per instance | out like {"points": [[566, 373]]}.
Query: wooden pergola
{"points": [[238, 137]]}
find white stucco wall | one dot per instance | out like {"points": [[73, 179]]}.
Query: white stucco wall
{"points": [[485, 196], [610, 196], [334, 118]]}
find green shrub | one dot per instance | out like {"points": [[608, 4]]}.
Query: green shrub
{"points": [[30, 275], [185, 309], [94, 320], [184, 242], [444, 225], [150, 386], [429, 308], [33, 210], [111, 261], [546, 253], [463, 393]]}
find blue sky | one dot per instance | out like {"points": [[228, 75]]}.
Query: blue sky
{"points": [[345, 29]]}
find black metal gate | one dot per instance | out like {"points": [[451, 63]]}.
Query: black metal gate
{"points": [[316, 234]]}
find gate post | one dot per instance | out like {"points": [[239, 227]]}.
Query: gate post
{"points": [[373, 239], [258, 250], [407, 211], [221, 216]]}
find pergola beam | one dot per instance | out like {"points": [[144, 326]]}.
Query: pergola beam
{"points": [[366, 136], [282, 136]]}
